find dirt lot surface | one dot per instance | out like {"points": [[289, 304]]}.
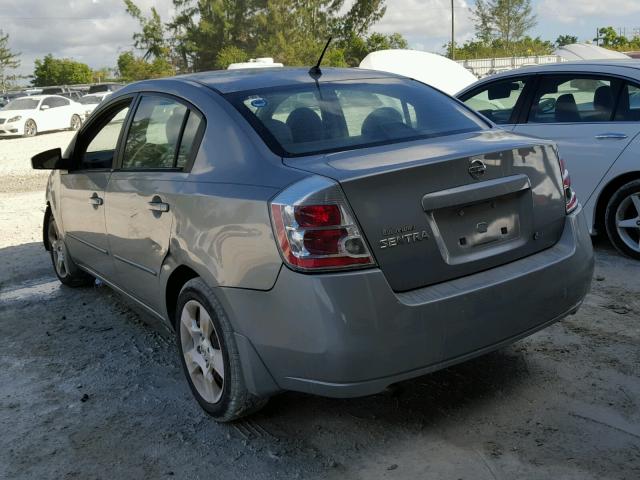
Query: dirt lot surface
{"points": [[90, 389]]}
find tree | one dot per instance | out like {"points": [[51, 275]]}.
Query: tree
{"points": [[132, 68], [152, 38], [9, 60], [506, 20], [60, 71], [524, 47], [206, 34], [230, 54], [356, 48], [563, 40]]}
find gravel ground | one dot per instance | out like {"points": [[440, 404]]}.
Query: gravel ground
{"points": [[91, 389]]}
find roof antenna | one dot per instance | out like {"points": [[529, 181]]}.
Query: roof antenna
{"points": [[315, 71]]}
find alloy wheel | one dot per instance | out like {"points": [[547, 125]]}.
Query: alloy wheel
{"points": [[76, 122], [57, 251], [30, 128], [202, 351], [628, 221]]}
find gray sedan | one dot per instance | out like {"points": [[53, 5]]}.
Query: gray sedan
{"points": [[327, 232]]}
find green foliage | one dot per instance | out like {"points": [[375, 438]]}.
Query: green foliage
{"points": [[132, 68], [356, 48], [230, 54], [60, 71], [505, 20], [563, 40], [524, 47], [9, 60], [207, 34], [152, 38], [611, 39]]}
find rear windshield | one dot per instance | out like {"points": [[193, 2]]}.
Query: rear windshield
{"points": [[89, 99], [327, 117]]}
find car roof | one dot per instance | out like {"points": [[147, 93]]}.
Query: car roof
{"points": [[575, 66], [230, 81]]}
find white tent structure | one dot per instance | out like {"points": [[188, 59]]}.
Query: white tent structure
{"points": [[264, 62], [585, 51], [435, 70]]}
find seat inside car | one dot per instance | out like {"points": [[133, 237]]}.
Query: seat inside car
{"points": [[566, 109], [603, 102], [305, 125], [382, 121]]}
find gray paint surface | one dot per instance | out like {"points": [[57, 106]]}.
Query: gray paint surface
{"points": [[323, 333]]}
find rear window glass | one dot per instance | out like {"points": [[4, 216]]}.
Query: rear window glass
{"points": [[303, 120]]}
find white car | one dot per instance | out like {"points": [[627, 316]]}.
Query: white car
{"points": [[27, 116], [591, 109], [91, 101]]}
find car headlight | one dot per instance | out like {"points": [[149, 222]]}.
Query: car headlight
{"points": [[14, 119]]}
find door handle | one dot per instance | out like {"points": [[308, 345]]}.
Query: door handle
{"points": [[95, 200], [159, 207], [611, 136]]}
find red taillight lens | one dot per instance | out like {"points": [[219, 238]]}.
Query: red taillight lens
{"points": [[317, 215], [315, 228], [570, 197]]}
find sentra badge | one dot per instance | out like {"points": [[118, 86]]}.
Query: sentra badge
{"points": [[404, 235]]}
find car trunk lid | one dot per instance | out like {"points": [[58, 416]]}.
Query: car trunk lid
{"points": [[444, 208]]}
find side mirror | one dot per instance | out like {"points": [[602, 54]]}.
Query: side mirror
{"points": [[50, 160], [44, 107]]}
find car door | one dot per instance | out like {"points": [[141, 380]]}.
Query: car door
{"points": [[500, 101], [82, 189], [141, 191], [577, 111], [46, 114]]}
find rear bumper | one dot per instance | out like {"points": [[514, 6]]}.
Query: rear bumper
{"points": [[349, 334]]}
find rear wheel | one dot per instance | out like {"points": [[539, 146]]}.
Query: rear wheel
{"points": [[65, 270], [76, 122], [209, 355], [30, 128], [622, 219]]}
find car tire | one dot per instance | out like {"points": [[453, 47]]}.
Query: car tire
{"points": [[75, 123], [66, 271], [209, 355], [30, 128], [622, 219]]}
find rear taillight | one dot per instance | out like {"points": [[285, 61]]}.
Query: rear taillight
{"points": [[315, 228], [570, 196]]}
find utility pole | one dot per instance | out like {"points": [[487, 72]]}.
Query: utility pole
{"points": [[453, 33]]}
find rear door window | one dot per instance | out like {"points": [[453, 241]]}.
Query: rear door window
{"points": [[574, 99], [497, 101], [163, 134]]}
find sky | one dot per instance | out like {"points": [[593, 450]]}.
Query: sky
{"points": [[96, 31]]}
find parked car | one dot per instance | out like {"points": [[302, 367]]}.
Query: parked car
{"points": [[27, 116], [591, 110], [104, 87], [331, 234], [91, 101]]}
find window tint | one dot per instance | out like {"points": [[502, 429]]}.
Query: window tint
{"points": [[345, 115], [102, 142], [497, 101], [188, 144], [153, 138], [629, 106], [573, 99]]}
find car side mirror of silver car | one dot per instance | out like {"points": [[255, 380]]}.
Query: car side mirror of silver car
{"points": [[50, 160]]}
